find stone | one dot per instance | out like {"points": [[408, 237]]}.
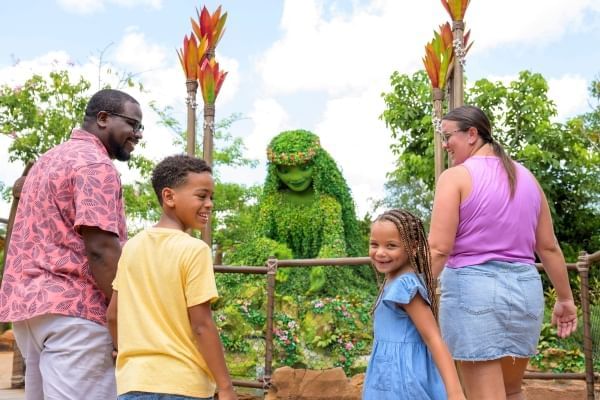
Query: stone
{"points": [[303, 384], [7, 341]]}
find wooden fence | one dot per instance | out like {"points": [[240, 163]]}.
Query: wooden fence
{"points": [[582, 267]]}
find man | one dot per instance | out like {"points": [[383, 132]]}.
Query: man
{"points": [[63, 254]]}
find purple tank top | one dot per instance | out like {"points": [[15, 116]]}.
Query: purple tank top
{"points": [[492, 226]]}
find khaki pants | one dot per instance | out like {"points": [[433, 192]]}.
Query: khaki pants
{"points": [[66, 358]]}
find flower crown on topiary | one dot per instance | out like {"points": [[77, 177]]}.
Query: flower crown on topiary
{"points": [[293, 148]]}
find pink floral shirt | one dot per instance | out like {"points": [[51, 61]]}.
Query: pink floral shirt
{"points": [[47, 272]]}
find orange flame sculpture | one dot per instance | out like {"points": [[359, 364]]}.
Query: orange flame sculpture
{"points": [[456, 8], [191, 54], [210, 26], [439, 55], [211, 80]]}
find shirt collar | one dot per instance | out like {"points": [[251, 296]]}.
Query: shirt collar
{"points": [[80, 134]]}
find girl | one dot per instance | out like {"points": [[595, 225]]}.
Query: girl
{"points": [[409, 354]]}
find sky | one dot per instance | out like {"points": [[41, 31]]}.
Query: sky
{"points": [[319, 65]]}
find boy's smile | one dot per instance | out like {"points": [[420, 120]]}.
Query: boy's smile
{"points": [[192, 201]]}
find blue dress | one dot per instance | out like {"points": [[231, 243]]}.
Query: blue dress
{"points": [[401, 366]]}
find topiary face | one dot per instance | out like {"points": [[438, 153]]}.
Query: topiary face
{"points": [[301, 147], [296, 177]]}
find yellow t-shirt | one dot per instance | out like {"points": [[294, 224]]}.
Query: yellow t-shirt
{"points": [[161, 273]]}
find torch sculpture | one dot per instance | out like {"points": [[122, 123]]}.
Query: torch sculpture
{"points": [[457, 10], [198, 62]]}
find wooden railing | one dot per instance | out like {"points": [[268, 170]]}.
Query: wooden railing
{"points": [[582, 267]]}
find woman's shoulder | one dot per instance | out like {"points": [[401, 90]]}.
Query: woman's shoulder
{"points": [[454, 172]]}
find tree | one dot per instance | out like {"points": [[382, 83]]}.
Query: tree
{"points": [[563, 156], [41, 113]]}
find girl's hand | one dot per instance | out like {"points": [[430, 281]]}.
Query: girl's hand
{"points": [[564, 316]]}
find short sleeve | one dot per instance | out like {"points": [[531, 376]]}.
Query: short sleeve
{"points": [[97, 197], [199, 276], [403, 289], [115, 282]]}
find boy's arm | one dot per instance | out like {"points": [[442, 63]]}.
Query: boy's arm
{"points": [[209, 345], [111, 318], [420, 314]]}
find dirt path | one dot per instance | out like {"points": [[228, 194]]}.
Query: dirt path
{"points": [[534, 389], [5, 369]]}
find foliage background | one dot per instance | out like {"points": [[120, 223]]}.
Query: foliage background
{"points": [[336, 330]]}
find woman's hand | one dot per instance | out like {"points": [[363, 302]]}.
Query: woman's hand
{"points": [[564, 316]]}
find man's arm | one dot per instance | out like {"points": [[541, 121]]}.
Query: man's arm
{"points": [[111, 319], [103, 250]]}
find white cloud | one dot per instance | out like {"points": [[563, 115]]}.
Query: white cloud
{"points": [[269, 118], [540, 22], [93, 6], [360, 50], [346, 52], [134, 52], [352, 133], [570, 95]]}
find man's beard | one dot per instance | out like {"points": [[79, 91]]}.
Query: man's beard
{"points": [[118, 150]]}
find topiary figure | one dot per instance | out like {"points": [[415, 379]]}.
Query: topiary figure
{"points": [[307, 206]]}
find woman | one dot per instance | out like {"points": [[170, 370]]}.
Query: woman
{"points": [[490, 217]]}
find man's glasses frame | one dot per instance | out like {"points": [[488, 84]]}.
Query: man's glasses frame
{"points": [[134, 123]]}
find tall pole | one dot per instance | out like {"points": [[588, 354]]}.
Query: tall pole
{"points": [[192, 87], [438, 151], [207, 146], [207, 151], [458, 28]]}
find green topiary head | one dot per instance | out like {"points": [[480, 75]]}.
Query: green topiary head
{"points": [[300, 147], [293, 148]]}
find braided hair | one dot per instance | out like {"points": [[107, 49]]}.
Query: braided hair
{"points": [[414, 240]]}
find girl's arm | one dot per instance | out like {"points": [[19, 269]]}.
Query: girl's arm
{"points": [[445, 216], [209, 345], [420, 314], [564, 315]]}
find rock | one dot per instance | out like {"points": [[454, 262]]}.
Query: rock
{"points": [[7, 341], [303, 384], [537, 389]]}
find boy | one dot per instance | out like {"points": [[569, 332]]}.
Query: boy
{"points": [[168, 343]]}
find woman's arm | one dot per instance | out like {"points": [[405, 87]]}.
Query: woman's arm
{"points": [[564, 315], [420, 314], [445, 216]]}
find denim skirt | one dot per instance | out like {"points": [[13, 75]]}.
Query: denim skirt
{"points": [[491, 310]]}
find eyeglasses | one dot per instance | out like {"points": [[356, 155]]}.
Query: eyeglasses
{"points": [[446, 135], [134, 123]]}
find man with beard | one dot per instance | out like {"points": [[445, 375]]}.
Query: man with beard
{"points": [[63, 254]]}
